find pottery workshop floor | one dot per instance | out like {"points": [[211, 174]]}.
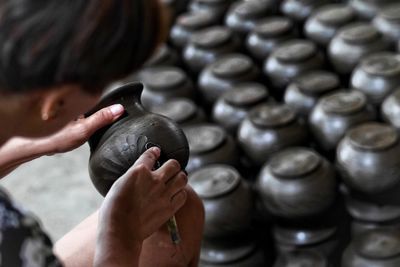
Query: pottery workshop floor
{"points": [[57, 189]]}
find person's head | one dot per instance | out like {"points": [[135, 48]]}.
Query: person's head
{"points": [[56, 57]]}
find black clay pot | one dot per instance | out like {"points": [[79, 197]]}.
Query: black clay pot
{"points": [[243, 15], [215, 7], [164, 56], [297, 182], [353, 42], [233, 106], [325, 22], [302, 259], [377, 248], [368, 9], [377, 76], [232, 254], [181, 110], [303, 93], [164, 83], [115, 148], [267, 35], [388, 22], [369, 216], [300, 10], [207, 45], [210, 144], [319, 240], [390, 109], [335, 114], [369, 163], [291, 59], [269, 128], [187, 24], [227, 199], [223, 74]]}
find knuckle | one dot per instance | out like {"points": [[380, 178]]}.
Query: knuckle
{"points": [[174, 164]]}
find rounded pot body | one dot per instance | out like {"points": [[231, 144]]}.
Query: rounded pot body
{"points": [[164, 83], [368, 9], [233, 106], [210, 144], [223, 74], [269, 128], [164, 56], [378, 248], [303, 93], [390, 109], [243, 15], [302, 259], [187, 24], [300, 10], [296, 183], [291, 59], [207, 45], [215, 7], [377, 76], [115, 148], [352, 43], [325, 22], [227, 199], [388, 22], [335, 114], [181, 110], [267, 35], [367, 158]]}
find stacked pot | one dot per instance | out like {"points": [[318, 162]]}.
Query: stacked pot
{"points": [[291, 110]]}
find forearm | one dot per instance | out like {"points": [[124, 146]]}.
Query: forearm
{"points": [[20, 150]]}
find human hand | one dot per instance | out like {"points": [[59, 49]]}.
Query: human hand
{"points": [[139, 203], [76, 133]]}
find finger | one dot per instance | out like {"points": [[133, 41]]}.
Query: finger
{"points": [[178, 200], [148, 158], [102, 118], [168, 170], [176, 184]]}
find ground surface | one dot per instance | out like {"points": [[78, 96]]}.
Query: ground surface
{"points": [[57, 189]]}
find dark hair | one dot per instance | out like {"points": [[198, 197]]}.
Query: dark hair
{"points": [[44, 43]]}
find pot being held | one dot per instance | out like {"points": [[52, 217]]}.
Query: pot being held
{"points": [[115, 148]]}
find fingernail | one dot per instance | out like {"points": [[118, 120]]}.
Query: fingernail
{"points": [[156, 150], [117, 109]]}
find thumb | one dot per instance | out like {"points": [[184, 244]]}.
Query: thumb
{"points": [[148, 158], [103, 117]]}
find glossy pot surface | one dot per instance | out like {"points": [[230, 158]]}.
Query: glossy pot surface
{"points": [[388, 22], [164, 83], [378, 248], [233, 106], [227, 199], [297, 182], [335, 114], [300, 10], [115, 148], [353, 42], [181, 110], [215, 7], [187, 24], [368, 160], [368, 9], [269, 128], [163, 56], [325, 22], [302, 259], [223, 74], [377, 76], [291, 59], [210, 144], [243, 15], [207, 45], [390, 109], [267, 35], [303, 93]]}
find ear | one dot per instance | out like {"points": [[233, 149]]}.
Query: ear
{"points": [[53, 101]]}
